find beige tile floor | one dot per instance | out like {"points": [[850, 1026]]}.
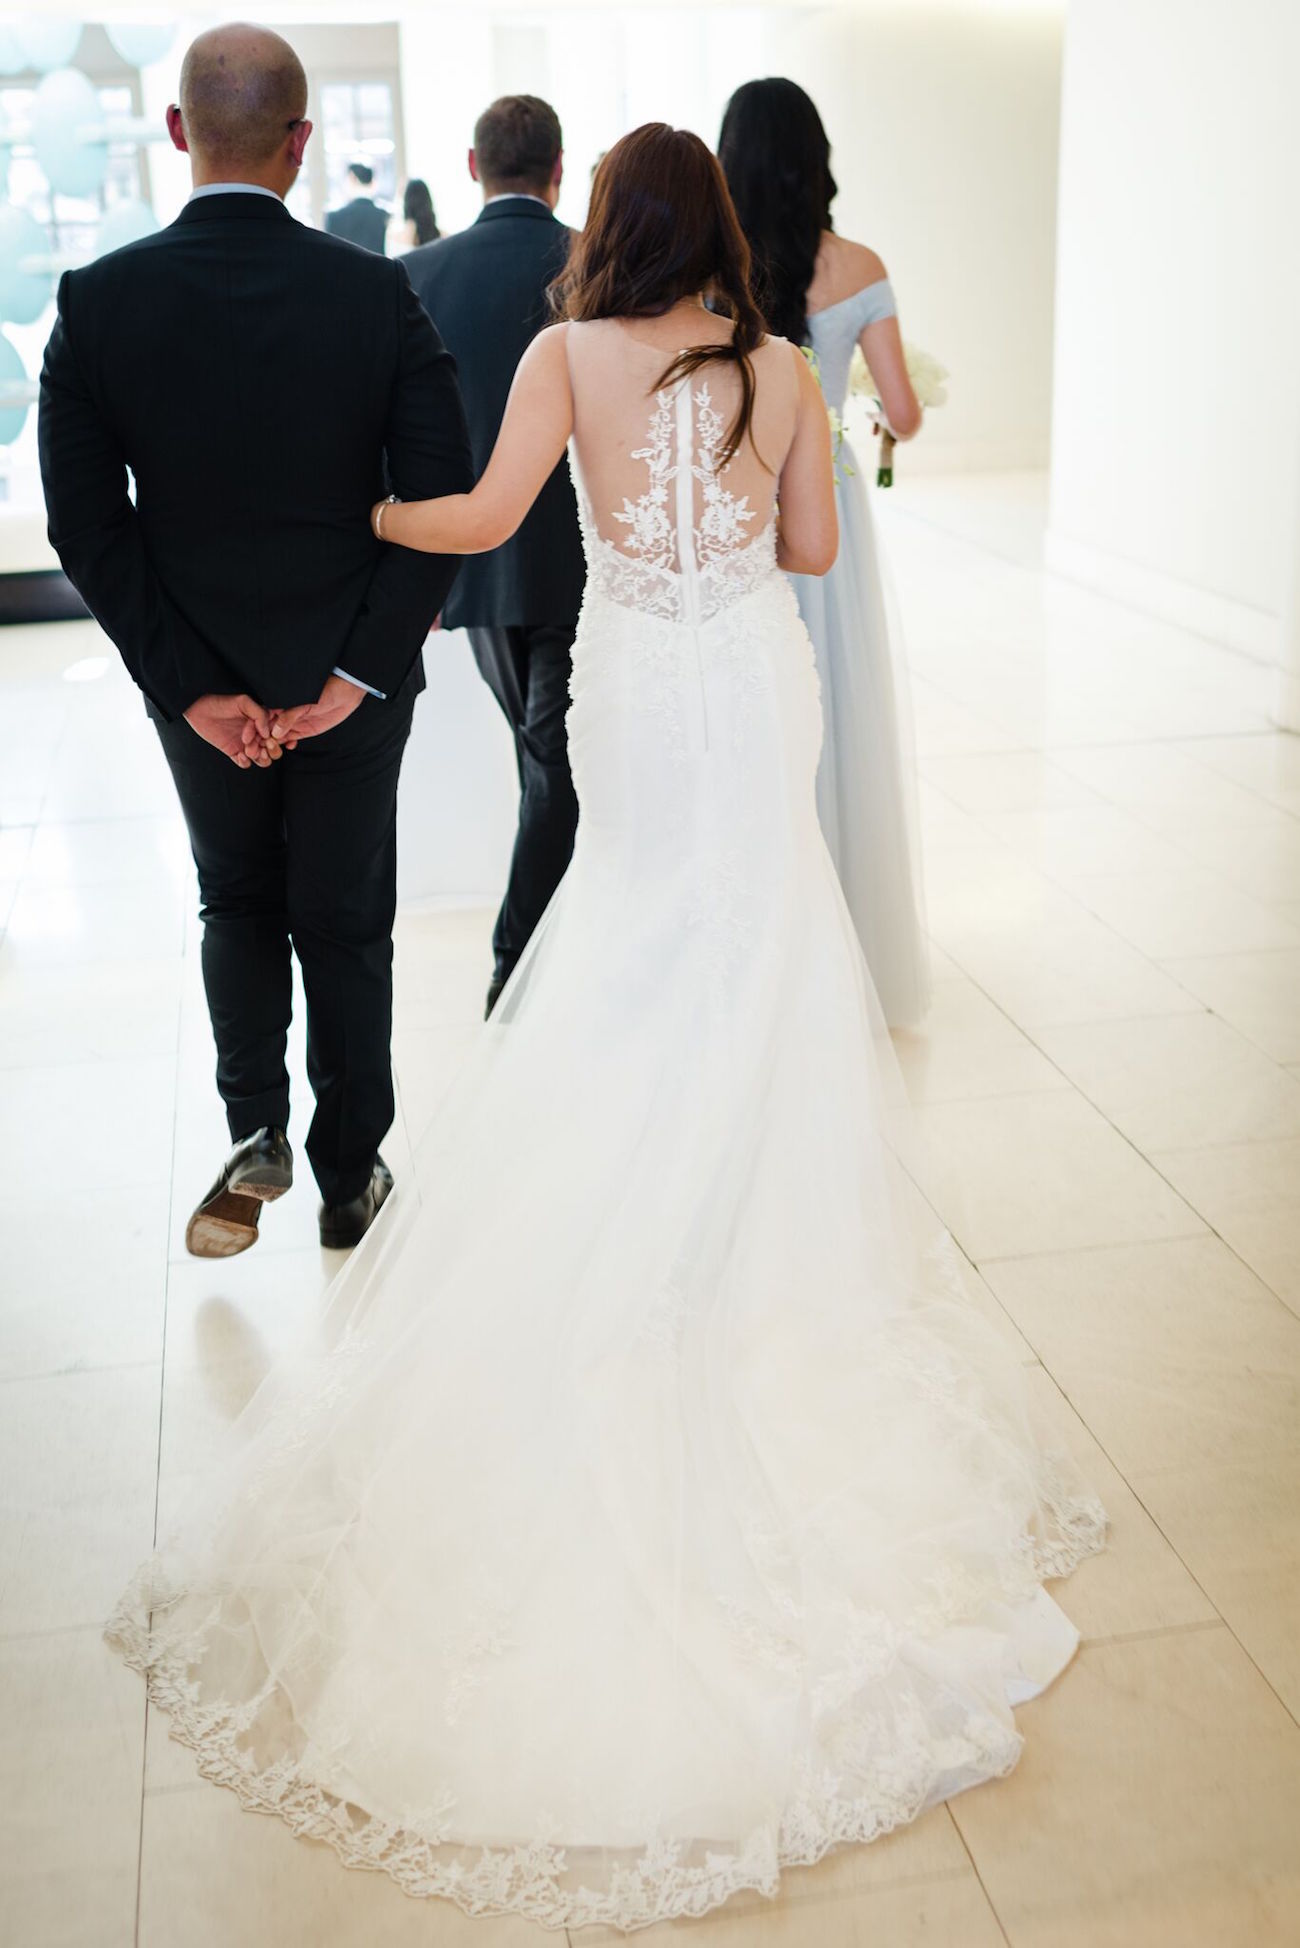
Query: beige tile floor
{"points": [[1110, 1080]]}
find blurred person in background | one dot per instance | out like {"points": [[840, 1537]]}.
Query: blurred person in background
{"points": [[825, 293], [486, 289], [417, 223], [362, 221]]}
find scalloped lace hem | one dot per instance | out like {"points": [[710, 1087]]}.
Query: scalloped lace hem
{"points": [[644, 1886]]}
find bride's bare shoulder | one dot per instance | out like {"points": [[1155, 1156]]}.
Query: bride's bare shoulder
{"points": [[549, 344], [843, 268], [545, 362]]}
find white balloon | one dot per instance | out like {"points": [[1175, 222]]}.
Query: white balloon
{"points": [[24, 294], [46, 42], [125, 223], [140, 45], [12, 372], [12, 58], [64, 106]]}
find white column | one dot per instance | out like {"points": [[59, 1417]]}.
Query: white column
{"points": [[447, 77], [1178, 310]]}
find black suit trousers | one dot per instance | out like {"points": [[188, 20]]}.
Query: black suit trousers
{"points": [[527, 669], [303, 853]]}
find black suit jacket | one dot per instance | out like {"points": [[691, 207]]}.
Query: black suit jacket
{"points": [[361, 221], [255, 376], [485, 290]]}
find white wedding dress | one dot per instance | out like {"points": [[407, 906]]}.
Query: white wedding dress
{"points": [[651, 1509]]}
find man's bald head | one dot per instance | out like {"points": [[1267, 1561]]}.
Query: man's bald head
{"points": [[242, 90]]}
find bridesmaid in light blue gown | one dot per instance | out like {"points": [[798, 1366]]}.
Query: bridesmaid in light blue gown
{"points": [[822, 291]]}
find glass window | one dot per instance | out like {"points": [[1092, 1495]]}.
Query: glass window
{"points": [[72, 220]]}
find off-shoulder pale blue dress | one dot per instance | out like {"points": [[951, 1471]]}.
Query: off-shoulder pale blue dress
{"points": [[866, 785]]}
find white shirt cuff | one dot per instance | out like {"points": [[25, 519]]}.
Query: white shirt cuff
{"points": [[367, 687]]}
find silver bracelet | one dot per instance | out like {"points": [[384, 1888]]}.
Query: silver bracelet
{"points": [[389, 500]]}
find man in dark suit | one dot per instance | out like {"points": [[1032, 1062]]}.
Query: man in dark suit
{"points": [[485, 290], [258, 378], [362, 221]]}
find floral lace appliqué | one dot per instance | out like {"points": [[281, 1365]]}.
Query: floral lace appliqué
{"points": [[684, 572]]}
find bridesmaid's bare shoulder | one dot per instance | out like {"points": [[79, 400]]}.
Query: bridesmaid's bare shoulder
{"points": [[843, 268]]}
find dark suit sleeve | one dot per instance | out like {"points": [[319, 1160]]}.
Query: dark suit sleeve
{"points": [[426, 446], [96, 534]]}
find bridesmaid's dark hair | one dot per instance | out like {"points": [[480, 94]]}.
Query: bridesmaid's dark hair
{"points": [[777, 160], [417, 208], [660, 228]]}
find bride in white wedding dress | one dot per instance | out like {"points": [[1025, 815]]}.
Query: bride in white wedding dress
{"points": [[651, 1510]]}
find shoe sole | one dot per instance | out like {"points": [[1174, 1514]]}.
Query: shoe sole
{"points": [[265, 1186], [224, 1227]]}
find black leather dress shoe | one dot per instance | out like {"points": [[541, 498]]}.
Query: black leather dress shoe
{"points": [[493, 996], [342, 1225], [258, 1170]]}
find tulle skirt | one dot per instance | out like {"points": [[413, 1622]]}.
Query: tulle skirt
{"points": [[866, 783], [650, 1509]]}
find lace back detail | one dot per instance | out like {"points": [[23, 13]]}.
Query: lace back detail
{"points": [[672, 562]]}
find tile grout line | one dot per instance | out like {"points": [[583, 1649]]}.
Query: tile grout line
{"points": [[47, 1631], [1216, 1622], [162, 1388], [1105, 1244], [72, 1372], [974, 1865]]}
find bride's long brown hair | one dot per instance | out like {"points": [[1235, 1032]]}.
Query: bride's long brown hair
{"points": [[662, 227]]}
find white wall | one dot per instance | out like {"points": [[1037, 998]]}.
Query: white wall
{"points": [[944, 124], [1177, 397]]}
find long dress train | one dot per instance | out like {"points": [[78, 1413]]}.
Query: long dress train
{"points": [[651, 1509]]}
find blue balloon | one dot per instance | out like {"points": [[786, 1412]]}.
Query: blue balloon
{"points": [[139, 45], [65, 107], [24, 293], [125, 223], [46, 43], [12, 372]]}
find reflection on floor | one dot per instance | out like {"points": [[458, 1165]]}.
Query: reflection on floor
{"points": [[1111, 1083]]}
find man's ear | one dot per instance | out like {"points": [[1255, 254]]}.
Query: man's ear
{"points": [[557, 174], [472, 160], [176, 130], [298, 142]]}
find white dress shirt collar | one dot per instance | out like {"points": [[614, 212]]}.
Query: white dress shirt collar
{"points": [[515, 196], [232, 189]]}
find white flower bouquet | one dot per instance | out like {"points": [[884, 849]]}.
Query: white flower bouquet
{"points": [[927, 377]]}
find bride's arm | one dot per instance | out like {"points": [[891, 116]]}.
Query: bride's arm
{"points": [[534, 433], [808, 534]]}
